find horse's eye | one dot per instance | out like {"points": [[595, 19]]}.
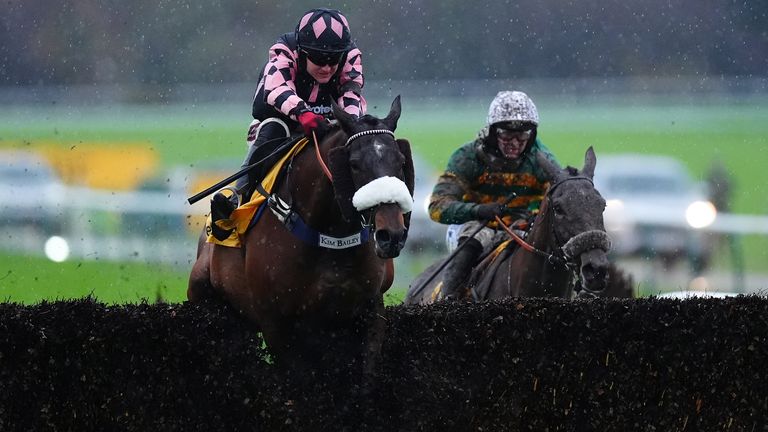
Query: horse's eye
{"points": [[355, 164], [558, 209]]}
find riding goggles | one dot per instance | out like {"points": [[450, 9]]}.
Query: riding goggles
{"points": [[509, 135], [323, 58]]}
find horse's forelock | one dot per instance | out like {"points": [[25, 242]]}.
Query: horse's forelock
{"points": [[364, 123], [369, 120]]}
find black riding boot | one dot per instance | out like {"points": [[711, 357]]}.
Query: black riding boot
{"points": [[459, 268], [270, 138], [225, 201], [242, 184]]}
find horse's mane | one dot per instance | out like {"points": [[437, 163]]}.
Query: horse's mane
{"points": [[543, 217], [335, 127]]}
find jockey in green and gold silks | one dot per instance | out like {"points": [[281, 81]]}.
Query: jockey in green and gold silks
{"points": [[475, 177], [482, 175]]}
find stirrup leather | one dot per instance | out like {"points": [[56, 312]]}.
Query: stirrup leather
{"points": [[233, 193], [222, 206]]}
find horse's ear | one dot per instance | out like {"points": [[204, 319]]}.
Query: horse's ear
{"points": [[408, 171], [552, 171], [346, 120], [409, 174], [590, 160], [343, 186], [394, 114]]}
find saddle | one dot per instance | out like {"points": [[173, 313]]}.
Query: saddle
{"points": [[244, 216], [480, 278], [273, 151]]}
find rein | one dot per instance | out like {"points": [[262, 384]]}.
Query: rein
{"points": [[320, 158], [552, 258]]}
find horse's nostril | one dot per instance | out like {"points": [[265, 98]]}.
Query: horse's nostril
{"points": [[592, 272], [589, 272], [382, 236]]}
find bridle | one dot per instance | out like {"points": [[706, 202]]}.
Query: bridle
{"points": [[564, 254], [553, 258], [292, 220], [366, 221]]}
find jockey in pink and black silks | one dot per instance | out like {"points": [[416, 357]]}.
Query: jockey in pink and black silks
{"points": [[483, 174], [307, 69]]}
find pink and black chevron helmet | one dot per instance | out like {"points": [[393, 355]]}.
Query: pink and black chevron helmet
{"points": [[323, 30]]}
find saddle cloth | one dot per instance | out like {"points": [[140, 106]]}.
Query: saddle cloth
{"points": [[482, 275], [241, 217]]}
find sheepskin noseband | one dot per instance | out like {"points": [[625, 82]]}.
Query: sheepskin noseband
{"points": [[589, 240], [383, 190]]}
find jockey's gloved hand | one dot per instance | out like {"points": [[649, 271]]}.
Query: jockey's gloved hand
{"points": [[488, 211], [310, 121]]}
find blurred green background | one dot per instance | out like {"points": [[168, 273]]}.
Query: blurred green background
{"points": [[169, 84], [733, 132]]}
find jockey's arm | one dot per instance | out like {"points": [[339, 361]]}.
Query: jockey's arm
{"points": [[446, 205], [279, 88], [352, 81]]}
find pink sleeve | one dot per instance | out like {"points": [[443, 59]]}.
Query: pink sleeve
{"points": [[279, 86], [351, 78]]}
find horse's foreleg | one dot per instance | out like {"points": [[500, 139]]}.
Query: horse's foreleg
{"points": [[389, 275], [200, 287], [375, 339], [228, 277]]}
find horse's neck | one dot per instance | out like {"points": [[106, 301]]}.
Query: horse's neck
{"points": [[541, 235], [311, 191], [537, 269]]}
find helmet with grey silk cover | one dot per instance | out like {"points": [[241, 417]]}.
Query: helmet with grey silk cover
{"points": [[513, 109]]}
